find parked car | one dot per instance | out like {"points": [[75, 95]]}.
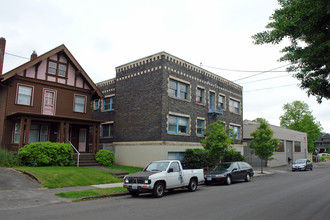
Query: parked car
{"points": [[302, 164], [323, 155], [229, 172], [161, 175]]}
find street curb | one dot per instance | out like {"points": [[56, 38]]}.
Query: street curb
{"points": [[31, 175], [101, 196]]}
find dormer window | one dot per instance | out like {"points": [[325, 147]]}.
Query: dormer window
{"points": [[56, 68]]}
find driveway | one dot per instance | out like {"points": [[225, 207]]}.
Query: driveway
{"points": [[11, 179]]}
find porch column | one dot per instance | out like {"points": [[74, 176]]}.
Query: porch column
{"points": [[27, 130], [21, 133], [67, 127], [97, 136], [94, 138], [61, 132]]}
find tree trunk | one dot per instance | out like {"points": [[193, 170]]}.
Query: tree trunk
{"points": [[261, 167]]}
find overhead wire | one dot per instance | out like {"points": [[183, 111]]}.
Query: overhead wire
{"points": [[232, 70], [270, 88], [10, 54]]}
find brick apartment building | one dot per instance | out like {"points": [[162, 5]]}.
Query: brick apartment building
{"points": [[157, 106]]}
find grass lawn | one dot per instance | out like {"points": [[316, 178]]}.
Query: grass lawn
{"points": [[91, 192], [57, 177], [127, 169]]}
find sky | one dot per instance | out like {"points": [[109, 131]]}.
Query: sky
{"points": [[212, 34]]}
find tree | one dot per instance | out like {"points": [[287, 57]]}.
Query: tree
{"points": [[306, 24], [297, 116], [263, 143], [217, 140]]}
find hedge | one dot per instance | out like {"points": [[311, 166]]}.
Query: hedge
{"points": [[46, 154], [105, 157]]}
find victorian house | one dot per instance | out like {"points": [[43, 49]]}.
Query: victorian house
{"points": [[48, 99]]}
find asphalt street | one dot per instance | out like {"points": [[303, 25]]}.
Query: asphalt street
{"points": [[283, 195]]}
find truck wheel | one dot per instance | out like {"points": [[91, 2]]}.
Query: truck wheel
{"points": [[134, 193], [158, 190], [192, 185]]}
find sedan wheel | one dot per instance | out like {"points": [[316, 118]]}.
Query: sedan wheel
{"points": [[228, 180], [248, 178]]}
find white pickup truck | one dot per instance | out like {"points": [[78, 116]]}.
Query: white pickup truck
{"points": [[162, 175]]}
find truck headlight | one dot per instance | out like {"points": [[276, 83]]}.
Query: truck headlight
{"points": [[126, 180], [147, 181]]}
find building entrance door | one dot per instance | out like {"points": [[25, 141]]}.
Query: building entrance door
{"points": [[289, 146], [82, 139]]}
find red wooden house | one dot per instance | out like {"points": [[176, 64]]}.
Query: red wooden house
{"points": [[48, 99]]}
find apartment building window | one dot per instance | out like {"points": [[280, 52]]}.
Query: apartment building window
{"points": [[297, 146], [175, 156], [108, 104], [281, 146], [212, 102], [107, 130], [80, 103], [234, 106], [178, 124], [96, 104], [55, 68], [200, 96], [221, 101], [236, 131], [200, 127], [179, 89], [24, 95]]}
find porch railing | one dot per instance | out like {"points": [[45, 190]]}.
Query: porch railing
{"points": [[78, 154]]}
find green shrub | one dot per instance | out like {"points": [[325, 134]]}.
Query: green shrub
{"points": [[105, 157], [322, 159], [232, 155], [197, 159], [7, 159], [46, 154]]}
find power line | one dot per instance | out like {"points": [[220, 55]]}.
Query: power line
{"points": [[247, 71], [16, 56], [265, 79], [269, 88], [260, 73]]}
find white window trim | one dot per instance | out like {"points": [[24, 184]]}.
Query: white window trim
{"points": [[74, 103], [32, 94]]}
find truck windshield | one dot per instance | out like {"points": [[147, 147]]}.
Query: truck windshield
{"points": [[156, 166]]}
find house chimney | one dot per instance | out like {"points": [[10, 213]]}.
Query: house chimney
{"points": [[2, 52], [33, 56]]}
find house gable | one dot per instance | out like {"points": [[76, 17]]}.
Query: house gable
{"points": [[58, 66]]}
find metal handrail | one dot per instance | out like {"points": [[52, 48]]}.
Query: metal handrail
{"points": [[77, 153]]}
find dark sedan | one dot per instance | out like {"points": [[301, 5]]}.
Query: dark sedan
{"points": [[229, 172], [302, 164]]}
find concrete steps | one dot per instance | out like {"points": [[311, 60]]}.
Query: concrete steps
{"points": [[86, 159]]}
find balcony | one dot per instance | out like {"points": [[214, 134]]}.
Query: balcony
{"points": [[218, 110]]}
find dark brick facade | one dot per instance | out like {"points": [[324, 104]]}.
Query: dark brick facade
{"points": [[142, 101]]}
